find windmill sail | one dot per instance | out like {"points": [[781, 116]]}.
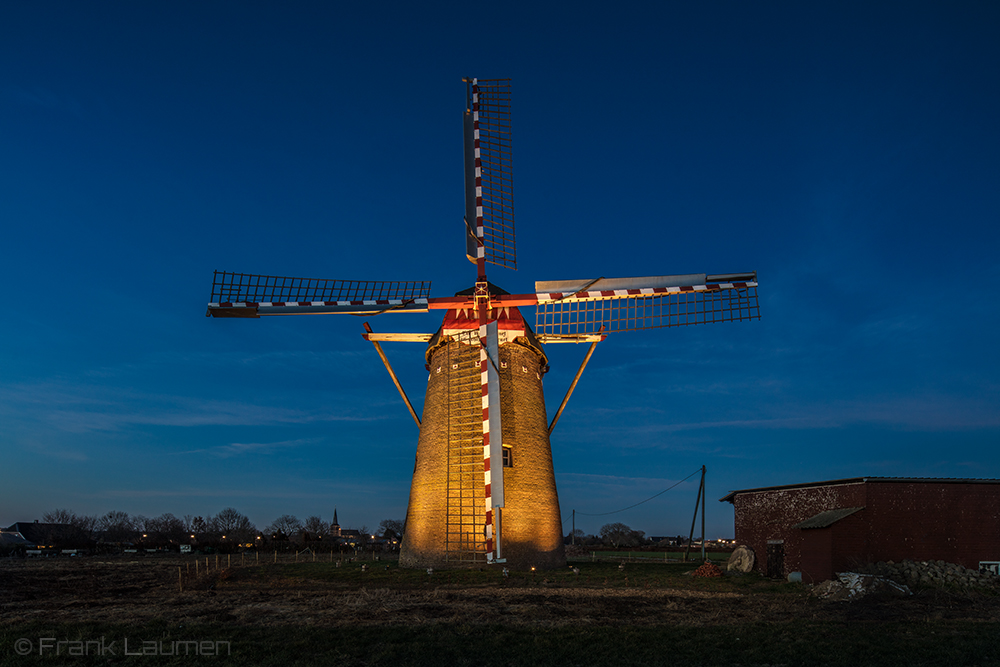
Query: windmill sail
{"points": [[626, 304], [488, 173], [252, 295]]}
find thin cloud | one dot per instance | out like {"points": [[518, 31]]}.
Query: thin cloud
{"points": [[613, 480], [57, 453], [84, 409], [321, 494], [931, 412], [40, 98], [242, 448]]}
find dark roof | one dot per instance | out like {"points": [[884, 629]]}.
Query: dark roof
{"points": [[729, 497], [8, 539], [62, 534], [827, 518]]}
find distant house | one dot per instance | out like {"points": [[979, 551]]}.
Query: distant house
{"points": [[353, 538], [51, 536], [667, 541], [304, 537], [13, 542], [820, 528]]}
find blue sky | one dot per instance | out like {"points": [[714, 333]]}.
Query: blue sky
{"points": [[845, 151]]}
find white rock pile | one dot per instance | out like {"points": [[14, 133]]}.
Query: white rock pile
{"points": [[855, 585]]}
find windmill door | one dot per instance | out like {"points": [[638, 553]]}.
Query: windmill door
{"points": [[776, 559]]}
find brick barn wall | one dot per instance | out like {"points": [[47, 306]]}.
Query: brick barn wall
{"points": [[851, 544], [954, 522], [769, 515], [815, 560]]}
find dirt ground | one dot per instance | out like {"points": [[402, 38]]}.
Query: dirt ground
{"points": [[140, 590]]}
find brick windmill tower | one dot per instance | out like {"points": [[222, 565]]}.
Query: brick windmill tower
{"points": [[483, 487]]}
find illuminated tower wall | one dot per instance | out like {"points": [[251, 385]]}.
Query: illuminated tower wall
{"points": [[445, 517]]}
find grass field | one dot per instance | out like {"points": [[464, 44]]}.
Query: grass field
{"points": [[110, 612]]}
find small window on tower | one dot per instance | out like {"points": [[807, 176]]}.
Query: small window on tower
{"points": [[508, 458]]}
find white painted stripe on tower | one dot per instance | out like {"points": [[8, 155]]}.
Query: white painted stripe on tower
{"points": [[487, 464]]}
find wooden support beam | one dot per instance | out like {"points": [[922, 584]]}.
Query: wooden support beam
{"points": [[398, 337], [392, 374], [572, 386], [545, 339]]}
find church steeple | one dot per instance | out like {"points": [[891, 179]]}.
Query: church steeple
{"points": [[335, 526]]}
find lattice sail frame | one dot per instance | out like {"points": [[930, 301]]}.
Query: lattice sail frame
{"points": [[494, 172], [248, 287], [632, 310], [278, 295]]}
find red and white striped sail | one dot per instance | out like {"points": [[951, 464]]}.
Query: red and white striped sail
{"points": [[253, 295], [630, 304], [563, 308], [489, 199]]}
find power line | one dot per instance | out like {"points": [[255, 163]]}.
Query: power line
{"points": [[646, 500]]}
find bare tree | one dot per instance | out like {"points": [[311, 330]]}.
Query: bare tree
{"points": [[232, 523], [168, 526], [86, 523], [117, 526], [69, 518], [286, 524], [59, 516], [616, 534], [317, 526], [390, 529], [196, 524]]}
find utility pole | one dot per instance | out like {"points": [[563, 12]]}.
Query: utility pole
{"points": [[700, 500], [704, 492]]}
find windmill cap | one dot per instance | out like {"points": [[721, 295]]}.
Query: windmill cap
{"points": [[511, 326]]}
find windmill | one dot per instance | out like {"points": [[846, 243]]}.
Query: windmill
{"points": [[483, 488]]}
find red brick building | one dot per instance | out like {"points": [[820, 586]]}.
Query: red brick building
{"points": [[824, 527]]}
